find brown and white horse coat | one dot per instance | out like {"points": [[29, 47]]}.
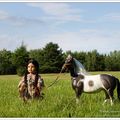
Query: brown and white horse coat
{"points": [[83, 82]]}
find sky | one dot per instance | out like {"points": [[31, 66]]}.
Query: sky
{"points": [[75, 26]]}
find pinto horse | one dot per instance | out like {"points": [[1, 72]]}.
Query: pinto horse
{"points": [[83, 82]]}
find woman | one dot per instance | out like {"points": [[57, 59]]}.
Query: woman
{"points": [[31, 83]]}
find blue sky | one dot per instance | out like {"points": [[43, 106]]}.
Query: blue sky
{"points": [[75, 26]]}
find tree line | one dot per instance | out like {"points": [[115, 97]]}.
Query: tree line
{"points": [[51, 59]]}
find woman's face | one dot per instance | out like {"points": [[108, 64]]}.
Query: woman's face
{"points": [[31, 68]]}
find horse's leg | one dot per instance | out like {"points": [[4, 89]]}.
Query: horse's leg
{"points": [[78, 93], [106, 96], [109, 83], [109, 96], [107, 88], [79, 90]]}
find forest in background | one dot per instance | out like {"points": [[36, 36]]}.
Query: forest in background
{"points": [[52, 57]]}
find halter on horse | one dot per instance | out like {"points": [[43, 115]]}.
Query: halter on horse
{"points": [[83, 82]]}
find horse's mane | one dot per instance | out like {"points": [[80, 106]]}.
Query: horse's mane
{"points": [[79, 68]]}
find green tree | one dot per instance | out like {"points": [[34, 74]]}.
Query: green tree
{"points": [[20, 58], [100, 63], [112, 61], [37, 54], [80, 56], [108, 63], [52, 58], [91, 60], [6, 66]]}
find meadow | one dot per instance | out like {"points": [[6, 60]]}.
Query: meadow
{"points": [[59, 100]]}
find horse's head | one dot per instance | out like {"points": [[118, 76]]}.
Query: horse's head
{"points": [[74, 66], [68, 63]]}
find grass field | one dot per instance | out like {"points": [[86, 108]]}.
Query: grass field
{"points": [[59, 100]]}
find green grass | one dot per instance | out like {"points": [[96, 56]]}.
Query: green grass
{"points": [[59, 100]]}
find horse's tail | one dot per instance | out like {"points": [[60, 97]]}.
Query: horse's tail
{"points": [[118, 88]]}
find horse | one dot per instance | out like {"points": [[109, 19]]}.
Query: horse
{"points": [[84, 82]]}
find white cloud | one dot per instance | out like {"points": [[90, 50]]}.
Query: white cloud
{"points": [[3, 15], [17, 20], [55, 14], [23, 21], [58, 11], [112, 17], [83, 40], [8, 42], [86, 40]]}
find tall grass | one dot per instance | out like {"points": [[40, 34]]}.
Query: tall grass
{"points": [[59, 100]]}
